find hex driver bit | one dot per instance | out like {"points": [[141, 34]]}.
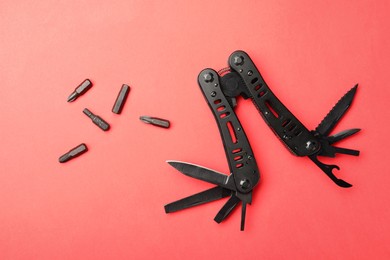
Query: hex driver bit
{"points": [[73, 153], [121, 99], [97, 120], [80, 90], [155, 121]]}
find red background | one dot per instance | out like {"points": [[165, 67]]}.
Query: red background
{"points": [[108, 204]]}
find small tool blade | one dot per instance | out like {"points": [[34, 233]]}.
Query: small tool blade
{"points": [[346, 151], [334, 115], [342, 135], [243, 212], [227, 209], [204, 174], [198, 199]]}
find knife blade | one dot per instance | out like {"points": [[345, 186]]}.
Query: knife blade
{"points": [[342, 135], [334, 115], [204, 174]]}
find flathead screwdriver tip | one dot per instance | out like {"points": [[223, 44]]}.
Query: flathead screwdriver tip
{"points": [[73, 153], [155, 121]]}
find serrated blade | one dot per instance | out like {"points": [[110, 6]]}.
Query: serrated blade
{"points": [[334, 116], [204, 174]]}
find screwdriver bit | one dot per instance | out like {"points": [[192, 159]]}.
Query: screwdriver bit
{"points": [[121, 99], [80, 90], [155, 121], [97, 120], [73, 153]]}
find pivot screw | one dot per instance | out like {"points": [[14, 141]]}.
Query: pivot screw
{"points": [[238, 60], [208, 77], [311, 145], [213, 94], [250, 73], [245, 184]]}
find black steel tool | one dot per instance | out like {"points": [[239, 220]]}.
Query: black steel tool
{"points": [[121, 99], [221, 90], [97, 120], [244, 173], [80, 90], [155, 121], [243, 78], [73, 153]]}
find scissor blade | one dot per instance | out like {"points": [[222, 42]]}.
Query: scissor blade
{"points": [[204, 174], [198, 199], [342, 135], [334, 115], [227, 209]]}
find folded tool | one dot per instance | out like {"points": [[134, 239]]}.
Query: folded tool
{"points": [[242, 164], [221, 89]]}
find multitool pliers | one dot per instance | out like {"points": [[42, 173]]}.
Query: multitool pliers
{"points": [[220, 90]]}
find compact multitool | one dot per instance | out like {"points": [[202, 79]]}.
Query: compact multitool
{"points": [[221, 89]]}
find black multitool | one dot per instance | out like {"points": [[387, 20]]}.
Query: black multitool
{"points": [[243, 78], [244, 174], [221, 90]]}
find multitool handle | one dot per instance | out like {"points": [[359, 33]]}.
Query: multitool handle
{"points": [[238, 151], [287, 127]]}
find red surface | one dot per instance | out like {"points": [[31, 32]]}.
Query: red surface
{"points": [[108, 204]]}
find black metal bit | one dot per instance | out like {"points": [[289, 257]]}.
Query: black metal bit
{"points": [[155, 121], [121, 99], [73, 153], [97, 120], [80, 90]]}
